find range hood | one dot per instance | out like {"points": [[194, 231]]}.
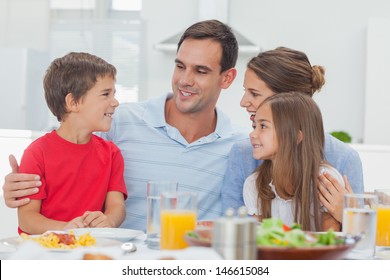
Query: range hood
{"points": [[211, 9]]}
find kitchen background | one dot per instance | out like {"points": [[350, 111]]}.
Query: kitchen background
{"points": [[351, 39]]}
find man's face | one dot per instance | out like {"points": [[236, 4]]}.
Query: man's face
{"points": [[197, 81]]}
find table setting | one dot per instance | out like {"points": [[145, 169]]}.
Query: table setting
{"points": [[173, 232], [109, 247]]}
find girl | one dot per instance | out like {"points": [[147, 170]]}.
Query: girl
{"points": [[289, 137]]}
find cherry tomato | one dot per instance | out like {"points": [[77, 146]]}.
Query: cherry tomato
{"points": [[286, 228]]}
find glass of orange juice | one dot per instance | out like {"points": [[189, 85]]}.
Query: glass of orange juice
{"points": [[177, 216], [383, 218]]}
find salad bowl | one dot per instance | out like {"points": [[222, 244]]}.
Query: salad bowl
{"points": [[326, 252], [276, 241]]}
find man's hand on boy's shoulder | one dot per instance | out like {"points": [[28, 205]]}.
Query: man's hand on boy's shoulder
{"points": [[18, 185]]}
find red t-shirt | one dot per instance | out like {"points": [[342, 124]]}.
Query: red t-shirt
{"points": [[75, 177]]}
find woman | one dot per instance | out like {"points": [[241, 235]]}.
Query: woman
{"points": [[283, 70]]}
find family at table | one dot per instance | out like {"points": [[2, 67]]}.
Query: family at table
{"points": [[287, 167]]}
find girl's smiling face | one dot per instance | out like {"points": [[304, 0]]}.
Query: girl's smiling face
{"points": [[263, 137]]}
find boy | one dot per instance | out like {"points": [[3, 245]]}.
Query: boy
{"points": [[81, 174]]}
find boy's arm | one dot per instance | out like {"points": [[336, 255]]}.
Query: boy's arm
{"points": [[114, 213], [115, 208], [33, 222]]}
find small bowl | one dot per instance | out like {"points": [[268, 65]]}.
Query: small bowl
{"points": [[199, 237]]}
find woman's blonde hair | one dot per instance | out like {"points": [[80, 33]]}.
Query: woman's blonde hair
{"points": [[295, 169]]}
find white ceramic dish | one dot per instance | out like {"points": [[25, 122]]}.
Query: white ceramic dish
{"points": [[16, 241], [120, 234]]}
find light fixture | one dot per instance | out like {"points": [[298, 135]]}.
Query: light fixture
{"points": [[211, 9]]}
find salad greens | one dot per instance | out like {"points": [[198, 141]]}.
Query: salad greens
{"points": [[272, 232]]}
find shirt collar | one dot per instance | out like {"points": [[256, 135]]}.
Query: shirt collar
{"points": [[273, 188], [156, 105], [154, 113]]}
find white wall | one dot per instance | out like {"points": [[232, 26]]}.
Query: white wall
{"points": [[24, 30], [332, 33], [21, 74], [377, 99], [375, 160], [24, 24]]}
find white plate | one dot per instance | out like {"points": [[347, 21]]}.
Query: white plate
{"points": [[16, 241], [120, 234]]}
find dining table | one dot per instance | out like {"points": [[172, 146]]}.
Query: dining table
{"points": [[112, 249]]}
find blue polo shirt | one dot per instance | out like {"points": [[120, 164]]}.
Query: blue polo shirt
{"points": [[154, 150]]}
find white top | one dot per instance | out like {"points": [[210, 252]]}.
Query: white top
{"points": [[280, 208]]}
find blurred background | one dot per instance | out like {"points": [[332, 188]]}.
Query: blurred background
{"points": [[351, 39]]}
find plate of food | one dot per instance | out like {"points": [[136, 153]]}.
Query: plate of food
{"points": [[199, 237], [276, 241], [120, 234], [61, 241]]}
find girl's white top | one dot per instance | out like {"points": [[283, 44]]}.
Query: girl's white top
{"points": [[280, 208]]}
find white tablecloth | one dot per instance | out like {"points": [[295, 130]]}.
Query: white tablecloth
{"points": [[30, 250]]}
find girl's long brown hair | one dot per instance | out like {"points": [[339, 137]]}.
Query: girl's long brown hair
{"points": [[295, 169]]}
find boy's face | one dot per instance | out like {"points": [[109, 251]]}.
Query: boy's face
{"points": [[98, 105]]}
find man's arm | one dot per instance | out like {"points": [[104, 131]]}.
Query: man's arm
{"points": [[17, 185]]}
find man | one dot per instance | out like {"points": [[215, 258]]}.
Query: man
{"points": [[180, 137]]}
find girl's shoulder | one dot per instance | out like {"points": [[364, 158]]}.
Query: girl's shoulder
{"points": [[326, 167]]}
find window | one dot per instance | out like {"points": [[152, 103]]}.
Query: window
{"points": [[72, 4], [129, 5], [113, 34]]}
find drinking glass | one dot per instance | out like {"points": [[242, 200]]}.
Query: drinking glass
{"points": [[178, 215], [154, 189], [383, 219], [359, 218]]}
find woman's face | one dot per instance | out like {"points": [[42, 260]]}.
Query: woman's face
{"points": [[255, 91]]}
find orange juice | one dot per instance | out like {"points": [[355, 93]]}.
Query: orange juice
{"points": [[174, 224], [383, 226]]}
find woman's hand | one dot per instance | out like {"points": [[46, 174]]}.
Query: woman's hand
{"points": [[331, 194]]}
